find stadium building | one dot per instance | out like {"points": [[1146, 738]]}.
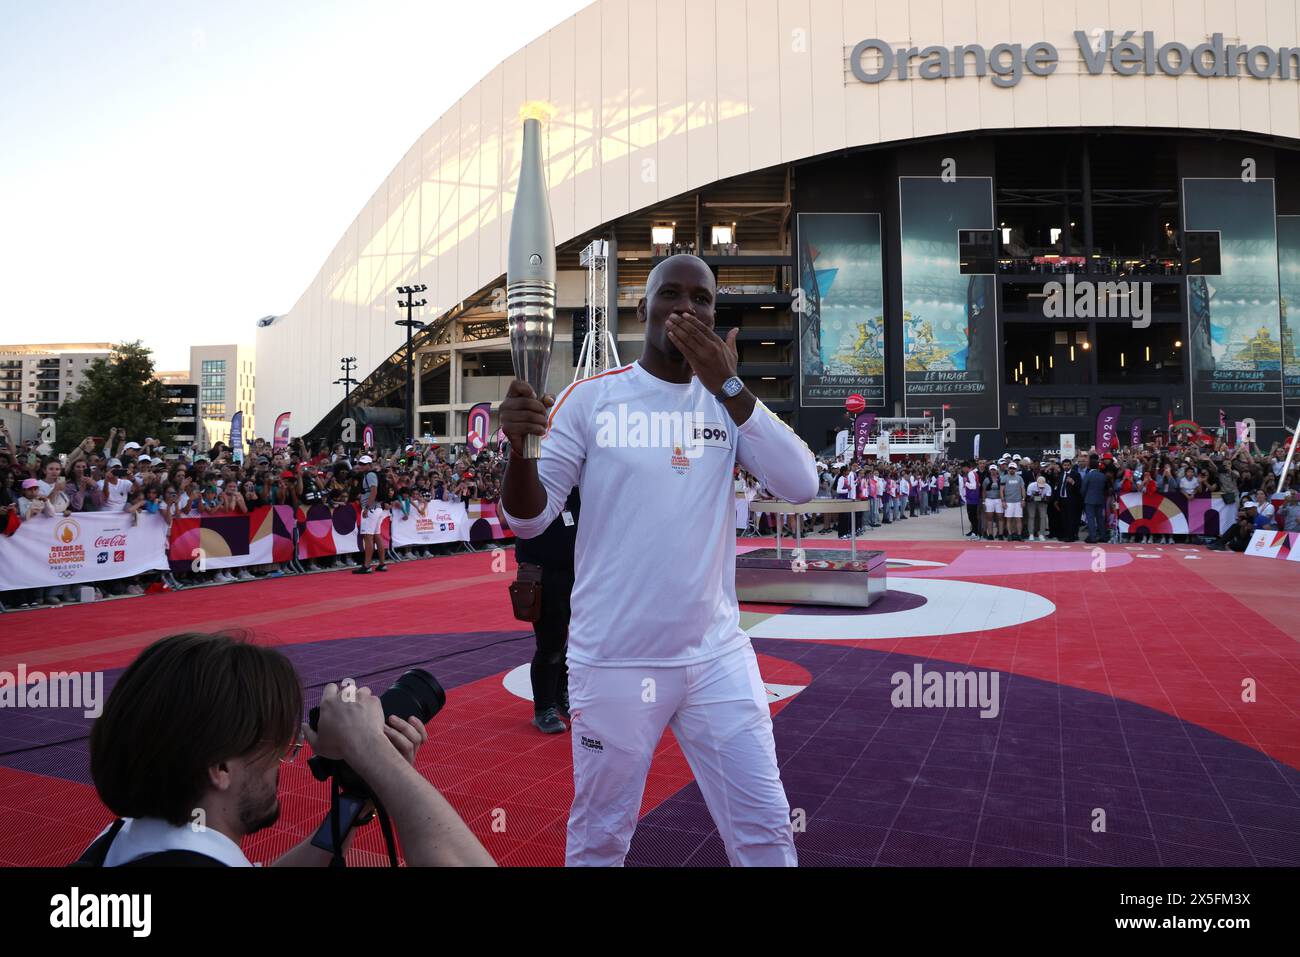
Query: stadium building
{"points": [[1008, 215]]}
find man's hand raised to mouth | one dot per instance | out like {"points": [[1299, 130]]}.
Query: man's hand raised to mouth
{"points": [[711, 359]]}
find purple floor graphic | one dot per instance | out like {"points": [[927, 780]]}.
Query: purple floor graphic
{"points": [[879, 785], [54, 741]]}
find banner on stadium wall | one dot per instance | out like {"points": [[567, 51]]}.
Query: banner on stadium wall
{"points": [[950, 339], [441, 522], [1266, 544], [1288, 269], [82, 548], [1174, 514], [260, 537], [842, 310], [1234, 316]]}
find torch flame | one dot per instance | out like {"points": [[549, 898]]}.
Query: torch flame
{"points": [[539, 110], [67, 535]]}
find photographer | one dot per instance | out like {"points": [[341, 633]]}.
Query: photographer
{"points": [[188, 752]]}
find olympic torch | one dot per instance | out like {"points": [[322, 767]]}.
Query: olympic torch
{"points": [[530, 275]]}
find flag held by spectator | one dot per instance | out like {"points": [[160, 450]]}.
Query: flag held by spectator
{"points": [[237, 437], [477, 430], [281, 440], [1107, 426]]}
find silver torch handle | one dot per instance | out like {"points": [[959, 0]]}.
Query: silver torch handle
{"points": [[530, 313], [530, 275]]}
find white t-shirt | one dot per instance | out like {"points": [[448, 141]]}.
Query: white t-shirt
{"points": [[655, 561], [115, 496]]}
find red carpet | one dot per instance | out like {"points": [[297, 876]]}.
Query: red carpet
{"points": [[1177, 633]]}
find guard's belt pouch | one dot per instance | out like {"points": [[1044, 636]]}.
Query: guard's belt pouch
{"points": [[526, 592]]}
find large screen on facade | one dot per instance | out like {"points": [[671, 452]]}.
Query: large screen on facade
{"points": [[1288, 262], [950, 341], [841, 310], [1234, 318]]}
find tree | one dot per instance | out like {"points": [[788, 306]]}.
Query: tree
{"points": [[119, 391]]}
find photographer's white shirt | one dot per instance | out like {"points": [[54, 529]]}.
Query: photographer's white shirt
{"points": [[150, 835], [655, 561], [115, 495]]}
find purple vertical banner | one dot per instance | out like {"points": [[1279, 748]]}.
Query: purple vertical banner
{"points": [[237, 437], [862, 424], [1107, 425], [477, 431], [1135, 435]]}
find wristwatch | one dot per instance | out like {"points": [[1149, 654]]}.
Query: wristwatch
{"points": [[731, 388]]}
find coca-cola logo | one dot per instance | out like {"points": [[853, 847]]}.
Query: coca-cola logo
{"points": [[110, 541], [443, 516]]}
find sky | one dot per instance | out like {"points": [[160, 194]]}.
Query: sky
{"points": [[173, 171]]}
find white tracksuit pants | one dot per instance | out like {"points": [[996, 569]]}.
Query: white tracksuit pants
{"points": [[718, 712]]}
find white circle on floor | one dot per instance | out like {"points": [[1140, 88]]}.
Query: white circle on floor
{"points": [[952, 607]]}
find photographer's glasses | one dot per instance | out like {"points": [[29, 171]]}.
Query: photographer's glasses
{"points": [[292, 754]]}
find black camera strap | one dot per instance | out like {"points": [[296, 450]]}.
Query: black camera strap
{"points": [[336, 827], [389, 840]]}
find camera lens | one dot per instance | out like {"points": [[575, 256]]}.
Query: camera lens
{"points": [[417, 693]]}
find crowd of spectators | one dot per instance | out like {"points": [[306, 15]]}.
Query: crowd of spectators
{"points": [[121, 474], [1012, 498], [893, 492], [1017, 498]]}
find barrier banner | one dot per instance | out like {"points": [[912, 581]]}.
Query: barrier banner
{"points": [[1267, 544], [485, 524], [441, 522], [325, 531], [235, 540], [1174, 514], [81, 548]]}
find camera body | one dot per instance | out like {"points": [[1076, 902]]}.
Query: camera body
{"points": [[415, 694]]}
